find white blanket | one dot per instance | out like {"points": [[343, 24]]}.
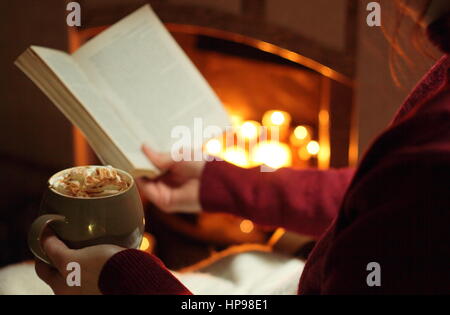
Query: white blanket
{"points": [[257, 273]]}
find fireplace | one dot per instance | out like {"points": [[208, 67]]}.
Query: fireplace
{"points": [[264, 75]]}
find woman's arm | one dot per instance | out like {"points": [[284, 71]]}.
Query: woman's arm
{"points": [[137, 273], [304, 201]]}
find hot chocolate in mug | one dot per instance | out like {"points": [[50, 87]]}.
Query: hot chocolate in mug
{"points": [[81, 220]]}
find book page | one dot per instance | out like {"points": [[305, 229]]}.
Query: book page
{"points": [[97, 108], [141, 69]]}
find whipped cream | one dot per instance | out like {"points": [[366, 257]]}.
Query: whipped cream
{"points": [[90, 181]]}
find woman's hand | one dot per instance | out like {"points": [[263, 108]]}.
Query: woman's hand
{"points": [[90, 259], [177, 190]]}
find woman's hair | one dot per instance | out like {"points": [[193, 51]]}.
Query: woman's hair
{"points": [[397, 55]]}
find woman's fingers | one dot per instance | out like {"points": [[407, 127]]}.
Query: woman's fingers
{"points": [[186, 198], [52, 278], [183, 198], [46, 273], [58, 253], [158, 193], [163, 161]]}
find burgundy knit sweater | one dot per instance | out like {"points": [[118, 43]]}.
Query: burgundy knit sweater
{"points": [[393, 210]]}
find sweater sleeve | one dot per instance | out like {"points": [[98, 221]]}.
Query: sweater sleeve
{"points": [[134, 272], [394, 241], [304, 201]]}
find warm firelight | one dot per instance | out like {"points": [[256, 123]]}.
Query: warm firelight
{"points": [[273, 154]]}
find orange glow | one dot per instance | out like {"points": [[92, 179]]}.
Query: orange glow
{"points": [[246, 226], [276, 50], [313, 148], [236, 120], [273, 154], [303, 154]]}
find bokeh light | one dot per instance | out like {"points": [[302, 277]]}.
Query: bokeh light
{"points": [[249, 130], [313, 147], [237, 156], [276, 118], [301, 132], [272, 154], [246, 226], [145, 245]]}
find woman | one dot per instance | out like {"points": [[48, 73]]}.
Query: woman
{"points": [[394, 210]]}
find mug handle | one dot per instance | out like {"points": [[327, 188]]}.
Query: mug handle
{"points": [[35, 234]]}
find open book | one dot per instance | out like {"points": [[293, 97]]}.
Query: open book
{"points": [[131, 84]]}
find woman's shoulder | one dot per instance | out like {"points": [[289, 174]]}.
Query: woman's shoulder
{"points": [[432, 83], [420, 140]]}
